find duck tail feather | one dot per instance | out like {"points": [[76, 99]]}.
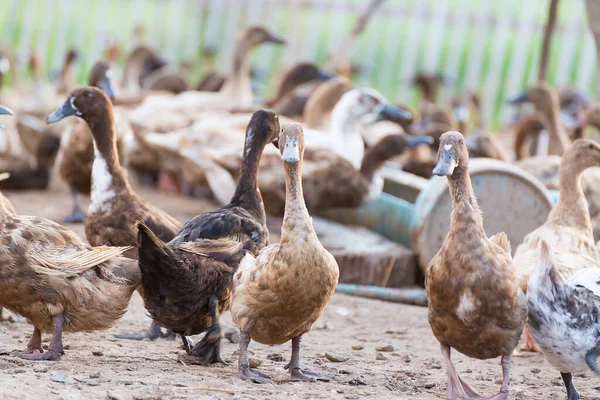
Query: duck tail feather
{"points": [[591, 359], [153, 252], [502, 240]]}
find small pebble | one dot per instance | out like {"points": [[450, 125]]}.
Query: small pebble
{"points": [[58, 378], [97, 353], [95, 375], [275, 357], [429, 385], [113, 396], [254, 362], [356, 382], [385, 348], [380, 357], [335, 358], [405, 358], [41, 368], [232, 334], [358, 347], [67, 347], [536, 370]]}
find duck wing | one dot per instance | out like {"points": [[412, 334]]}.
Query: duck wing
{"points": [[588, 278], [229, 222]]}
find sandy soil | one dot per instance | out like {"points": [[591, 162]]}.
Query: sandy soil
{"points": [[98, 366]]}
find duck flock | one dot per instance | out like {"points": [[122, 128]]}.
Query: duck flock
{"points": [[320, 143]]}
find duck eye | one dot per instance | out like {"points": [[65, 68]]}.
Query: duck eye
{"points": [[591, 146], [88, 94]]}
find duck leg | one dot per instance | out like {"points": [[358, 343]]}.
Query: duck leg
{"points": [[571, 391], [297, 373], [503, 395], [77, 215], [34, 346], [56, 347], [209, 348], [529, 344], [244, 371], [457, 388]]}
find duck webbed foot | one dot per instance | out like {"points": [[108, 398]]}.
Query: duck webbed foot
{"points": [[457, 387], [244, 371], [297, 374], [503, 395], [529, 344], [55, 351], [77, 215], [571, 391], [153, 333], [208, 350]]}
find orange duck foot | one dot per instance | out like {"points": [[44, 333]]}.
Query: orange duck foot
{"points": [[169, 183], [529, 344]]}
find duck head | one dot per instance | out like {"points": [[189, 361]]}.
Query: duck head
{"points": [[85, 102], [583, 154], [300, 74], [262, 129], [291, 143], [367, 106], [256, 35], [101, 77], [452, 154], [542, 96]]}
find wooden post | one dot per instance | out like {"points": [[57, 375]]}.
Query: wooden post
{"points": [[342, 52], [543, 71], [593, 15]]}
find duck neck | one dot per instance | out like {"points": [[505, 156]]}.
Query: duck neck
{"points": [[247, 195], [374, 159], [107, 173], [466, 212], [296, 218], [572, 207], [238, 86], [558, 141]]}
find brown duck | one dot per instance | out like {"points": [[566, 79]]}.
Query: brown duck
{"points": [[194, 273], [475, 303], [51, 277], [279, 295], [76, 154]]}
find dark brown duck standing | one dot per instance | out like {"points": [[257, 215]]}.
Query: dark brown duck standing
{"points": [[114, 207], [169, 270], [476, 305]]}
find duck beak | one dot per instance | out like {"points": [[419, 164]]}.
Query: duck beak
{"points": [[290, 153], [275, 142], [414, 141], [462, 113], [5, 111], [66, 110], [520, 99], [446, 162], [105, 84], [323, 76], [391, 113], [276, 39]]}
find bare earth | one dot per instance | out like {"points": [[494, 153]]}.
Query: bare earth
{"points": [[97, 366]]}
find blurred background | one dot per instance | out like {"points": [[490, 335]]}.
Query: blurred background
{"points": [[488, 47]]}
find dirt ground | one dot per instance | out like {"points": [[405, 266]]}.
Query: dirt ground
{"points": [[98, 366]]}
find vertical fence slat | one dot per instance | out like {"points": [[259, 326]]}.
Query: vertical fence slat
{"points": [[567, 45], [435, 36], [587, 63], [482, 28], [458, 27]]}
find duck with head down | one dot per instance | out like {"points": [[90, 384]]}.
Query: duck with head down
{"points": [[168, 268], [279, 295], [475, 303], [76, 154]]}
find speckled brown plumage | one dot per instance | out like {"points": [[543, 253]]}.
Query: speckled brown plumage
{"points": [[278, 295], [475, 303], [46, 271]]}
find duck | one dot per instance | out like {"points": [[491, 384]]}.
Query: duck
{"points": [[564, 315], [546, 103], [295, 87], [322, 100], [236, 93], [330, 181], [278, 295], [59, 283], [476, 305], [76, 154], [568, 229], [114, 207], [238, 227], [9, 208]]}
